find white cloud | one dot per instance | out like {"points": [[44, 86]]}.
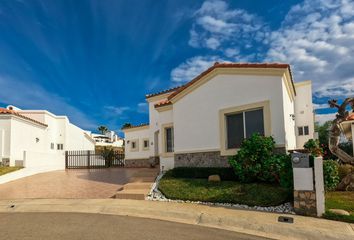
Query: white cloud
{"points": [[215, 24], [143, 107], [316, 38], [113, 110], [322, 118], [320, 106], [193, 67], [25, 95]]}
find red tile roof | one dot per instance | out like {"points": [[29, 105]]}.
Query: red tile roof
{"points": [[163, 92], [5, 111], [350, 117], [232, 65], [136, 126], [163, 103]]}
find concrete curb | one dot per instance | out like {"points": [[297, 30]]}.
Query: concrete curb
{"points": [[249, 222]]}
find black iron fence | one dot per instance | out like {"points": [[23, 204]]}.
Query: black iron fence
{"points": [[93, 159]]}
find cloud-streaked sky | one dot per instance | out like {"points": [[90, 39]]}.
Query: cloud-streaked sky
{"points": [[95, 60]]}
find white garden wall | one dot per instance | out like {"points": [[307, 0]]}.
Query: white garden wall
{"points": [[44, 159]]}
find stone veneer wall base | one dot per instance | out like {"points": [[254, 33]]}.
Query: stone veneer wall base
{"points": [[137, 163], [201, 159], [305, 203]]}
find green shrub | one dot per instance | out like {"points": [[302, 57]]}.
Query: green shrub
{"points": [[330, 174], [286, 172], [314, 147], [226, 174], [344, 170], [249, 162], [256, 162]]}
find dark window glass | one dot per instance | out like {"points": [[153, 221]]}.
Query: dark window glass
{"points": [[133, 145], [254, 122], [146, 144], [306, 130], [301, 131], [235, 131], [169, 139]]}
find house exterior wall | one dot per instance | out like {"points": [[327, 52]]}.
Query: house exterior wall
{"points": [[5, 133], [196, 115], [24, 136], [289, 122], [137, 135], [30, 143], [304, 115], [165, 119]]}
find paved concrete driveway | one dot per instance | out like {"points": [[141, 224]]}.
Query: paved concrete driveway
{"points": [[82, 183]]}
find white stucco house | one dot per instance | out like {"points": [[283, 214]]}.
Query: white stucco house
{"points": [[204, 121], [109, 139], [38, 138]]}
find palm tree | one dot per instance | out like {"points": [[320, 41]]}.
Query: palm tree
{"points": [[102, 129]]}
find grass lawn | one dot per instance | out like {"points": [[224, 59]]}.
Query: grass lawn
{"points": [[223, 192], [340, 200], [4, 170]]}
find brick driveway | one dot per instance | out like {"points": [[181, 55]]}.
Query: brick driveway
{"points": [[82, 183]]}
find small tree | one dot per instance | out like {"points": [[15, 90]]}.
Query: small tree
{"points": [[126, 125], [102, 129], [256, 162]]}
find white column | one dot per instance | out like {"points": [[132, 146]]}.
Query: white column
{"points": [[319, 186]]}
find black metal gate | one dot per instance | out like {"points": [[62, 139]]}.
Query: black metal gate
{"points": [[92, 159]]}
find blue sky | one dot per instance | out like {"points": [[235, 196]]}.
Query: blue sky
{"points": [[95, 60]]}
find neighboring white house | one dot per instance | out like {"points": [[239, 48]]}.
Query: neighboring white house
{"points": [[204, 121], [304, 113], [38, 138], [109, 139]]}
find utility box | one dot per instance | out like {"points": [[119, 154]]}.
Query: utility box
{"points": [[300, 160]]}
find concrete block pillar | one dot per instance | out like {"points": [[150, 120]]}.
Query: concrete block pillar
{"points": [[308, 185]]}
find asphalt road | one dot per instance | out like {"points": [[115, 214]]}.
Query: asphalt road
{"points": [[26, 226]]}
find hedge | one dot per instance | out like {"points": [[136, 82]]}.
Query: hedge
{"points": [[226, 174]]}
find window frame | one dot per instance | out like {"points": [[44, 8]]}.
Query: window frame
{"points": [[136, 149], [148, 144], [265, 105], [244, 123], [303, 131], [164, 140]]}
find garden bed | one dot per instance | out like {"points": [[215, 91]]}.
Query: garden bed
{"points": [[4, 170], [340, 200], [251, 194]]}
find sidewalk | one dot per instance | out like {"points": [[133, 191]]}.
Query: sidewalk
{"points": [[243, 221], [25, 172]]}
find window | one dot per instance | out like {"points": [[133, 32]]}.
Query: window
{"points": [[303, 131], [240, 122], [306, 130], [134, 145], [60, 146], [52, 146], [242, 125], [146, 144], [169, 139]]}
